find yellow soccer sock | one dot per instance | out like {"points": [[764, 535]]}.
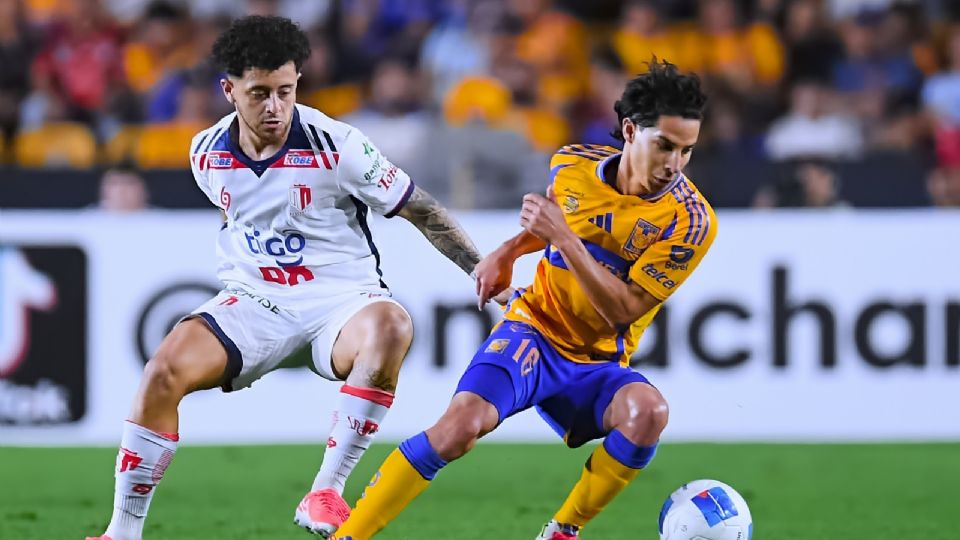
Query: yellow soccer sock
{"points": [[405, 473], [603, 477]]}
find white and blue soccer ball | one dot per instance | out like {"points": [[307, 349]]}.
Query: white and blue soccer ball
{"points": [[705, 510]]}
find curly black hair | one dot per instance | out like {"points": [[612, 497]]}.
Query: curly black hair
{"points": [[661, 91], [257, 42]]}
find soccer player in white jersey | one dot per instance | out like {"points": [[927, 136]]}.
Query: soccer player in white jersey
{"points": [[298, 265]]}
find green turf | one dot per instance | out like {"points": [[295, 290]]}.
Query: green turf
{"points": [[796, 492]]}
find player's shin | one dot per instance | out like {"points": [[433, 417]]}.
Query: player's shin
{"points": [[143, 459], [608, 470], [356, 419], [405, 473]]}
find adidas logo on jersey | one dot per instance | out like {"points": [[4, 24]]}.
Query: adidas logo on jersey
{"points": [[604, 221]]}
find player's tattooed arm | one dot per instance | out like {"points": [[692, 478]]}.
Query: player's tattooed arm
{"points": [[436, 223]]}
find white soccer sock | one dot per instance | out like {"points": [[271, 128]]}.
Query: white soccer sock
{"points": [[356, 420], [143, 458]]}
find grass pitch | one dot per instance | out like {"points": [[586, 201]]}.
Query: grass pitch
{"points": [[796, 492]]}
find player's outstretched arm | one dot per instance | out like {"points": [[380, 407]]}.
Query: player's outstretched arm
{"points": [[495, 272], [436, 223]]}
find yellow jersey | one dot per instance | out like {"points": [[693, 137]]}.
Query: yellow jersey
{"points": [[655, 241]]}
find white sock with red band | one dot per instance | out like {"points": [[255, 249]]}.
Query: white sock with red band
{"points": [[143, 458], [356, 420]]}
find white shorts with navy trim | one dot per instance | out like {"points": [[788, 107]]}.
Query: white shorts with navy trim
{"points": [[258, 332]]}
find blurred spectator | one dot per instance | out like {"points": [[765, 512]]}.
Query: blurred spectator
{"points": [[812, 46], [483, 100], [162, 46], [943, 185], [480, 166], [641, 35], [41, 13], [17, 47], [746, 57], [167, 145], [79, 69], [122, 189], [544, 128], [876, 65], [392, 117], [318, 86], [941, 100], [810, 130], [810, 184], [308, 14], [126, 12], [899, 129], [460, 45], [163, 100], [607, 80], [553, 42], [941, 92], [724, 134], [373, 28]]}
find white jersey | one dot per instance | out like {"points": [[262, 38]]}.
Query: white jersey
{"points": [[297, 222]]}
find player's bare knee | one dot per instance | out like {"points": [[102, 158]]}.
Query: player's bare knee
{"points": [[162, 378], [455, 434], [455, 441], [646, 418], [394, 329], [388, 336]]}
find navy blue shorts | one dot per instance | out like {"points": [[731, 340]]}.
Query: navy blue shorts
{"points": [[517, 368]]}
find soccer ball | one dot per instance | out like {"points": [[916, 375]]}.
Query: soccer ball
{"points": [[705, 510]]}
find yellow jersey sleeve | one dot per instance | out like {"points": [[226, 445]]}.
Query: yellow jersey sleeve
{"points": [[669, 261]]}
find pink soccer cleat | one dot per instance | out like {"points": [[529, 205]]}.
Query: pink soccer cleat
{"points": [[104, 537], [322, 512]]}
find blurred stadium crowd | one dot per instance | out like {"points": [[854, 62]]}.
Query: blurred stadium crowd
{"points": [[812, 102]]}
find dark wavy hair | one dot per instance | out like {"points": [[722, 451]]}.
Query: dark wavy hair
{"points": [[257, 42], [661, 91]]}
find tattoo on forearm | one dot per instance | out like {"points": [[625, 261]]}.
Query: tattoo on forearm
{"points": [[441, 229]]}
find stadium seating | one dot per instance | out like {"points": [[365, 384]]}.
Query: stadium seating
{"points": [[62, 144]]}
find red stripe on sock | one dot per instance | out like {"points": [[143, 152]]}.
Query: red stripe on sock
{"points": [[380, 397]]}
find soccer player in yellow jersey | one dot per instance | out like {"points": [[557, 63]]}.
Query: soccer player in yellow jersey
{"points": [[620, 232]]}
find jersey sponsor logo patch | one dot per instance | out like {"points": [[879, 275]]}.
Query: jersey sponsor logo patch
{"points": [[374, 173], [643, 235], [300, 158], [679, 257], [659, 276], [285, 248], [301, 197], [220, 160], [570, 204], [388, 177], [680, 254], [497, 345]]}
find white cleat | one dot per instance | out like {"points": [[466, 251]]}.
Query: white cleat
{"points": [[322, 512], [558, 531]]}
